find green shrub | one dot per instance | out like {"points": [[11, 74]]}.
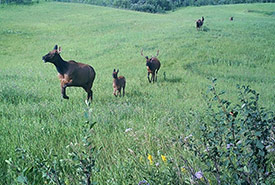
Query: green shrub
{"points": [[236, 144], [159, 6]]}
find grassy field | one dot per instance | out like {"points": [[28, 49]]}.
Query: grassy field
{"points": [[35, 118]]}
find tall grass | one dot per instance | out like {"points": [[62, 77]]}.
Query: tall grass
{"points": [[34, 117]]}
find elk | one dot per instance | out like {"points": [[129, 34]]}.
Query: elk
{"points": [[153, 65], [231, 18], [199, 23], [118, 83], [71, 73]]}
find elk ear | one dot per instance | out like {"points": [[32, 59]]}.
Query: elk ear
{"points": [[55, 47], [59, 49], [157, 53], [141, 52], [117, 70], [114, 70]]}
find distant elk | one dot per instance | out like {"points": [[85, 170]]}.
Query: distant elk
{"points": [[153, 65], [199, 23], [71, 73], [118, 83], [231, 18]]}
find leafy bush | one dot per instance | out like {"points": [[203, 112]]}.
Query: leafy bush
{"points": [[237, 141], [18, 2], [152, 6]]}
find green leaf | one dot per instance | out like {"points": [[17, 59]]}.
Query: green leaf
{"points": [[222, 92], [8, 161], [245, 169], [214, 80], [262, 153], [92, 125], [259, 145], [259, 133], [22, 179]]}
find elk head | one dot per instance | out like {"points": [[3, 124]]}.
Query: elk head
{"points": [[115, 73], [53, 55], [147, 58]]}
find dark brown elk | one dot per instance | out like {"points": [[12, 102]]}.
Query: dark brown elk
{"points": [[118, 83], [199, 23], [153, 65], [71, 73]]}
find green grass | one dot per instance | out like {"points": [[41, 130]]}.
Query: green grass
{"points": [[34, 117]]}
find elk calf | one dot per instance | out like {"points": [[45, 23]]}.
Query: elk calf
{"points": [[199, 23], [71, 73], [153, 65], [118, 83]]}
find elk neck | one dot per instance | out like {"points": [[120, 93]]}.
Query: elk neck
{"points": [[116, 81], [61, 65], [150, 64]]}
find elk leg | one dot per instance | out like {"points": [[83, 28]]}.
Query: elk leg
{"points": [[115, 90], [123, 90], [64, 82], [63, 91], [156, 76], [119, 91], [153, 77], [69, 84], [89, 94], [148, 76]]}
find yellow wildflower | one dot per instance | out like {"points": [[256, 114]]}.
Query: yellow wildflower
{"points": [[163, 158], [150, 158], [140, 159], [67, 182], [183, 169]]}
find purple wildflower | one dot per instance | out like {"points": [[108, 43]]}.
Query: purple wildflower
{"points": [[198, 175], [269, 148], [187, 137], [143, 182], [206, 149], [229, 145]]}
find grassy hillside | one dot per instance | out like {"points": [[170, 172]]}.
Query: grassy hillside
{"points": [[34, 117]]}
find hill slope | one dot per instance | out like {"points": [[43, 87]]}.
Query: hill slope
{"points": [[34, 117]]}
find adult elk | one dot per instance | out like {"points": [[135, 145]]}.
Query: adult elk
{"points": [[199, 23], [118, 83], [153, 66], [71, 73]]}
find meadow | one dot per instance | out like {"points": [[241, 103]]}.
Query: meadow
{"points": [[151, 117]]}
